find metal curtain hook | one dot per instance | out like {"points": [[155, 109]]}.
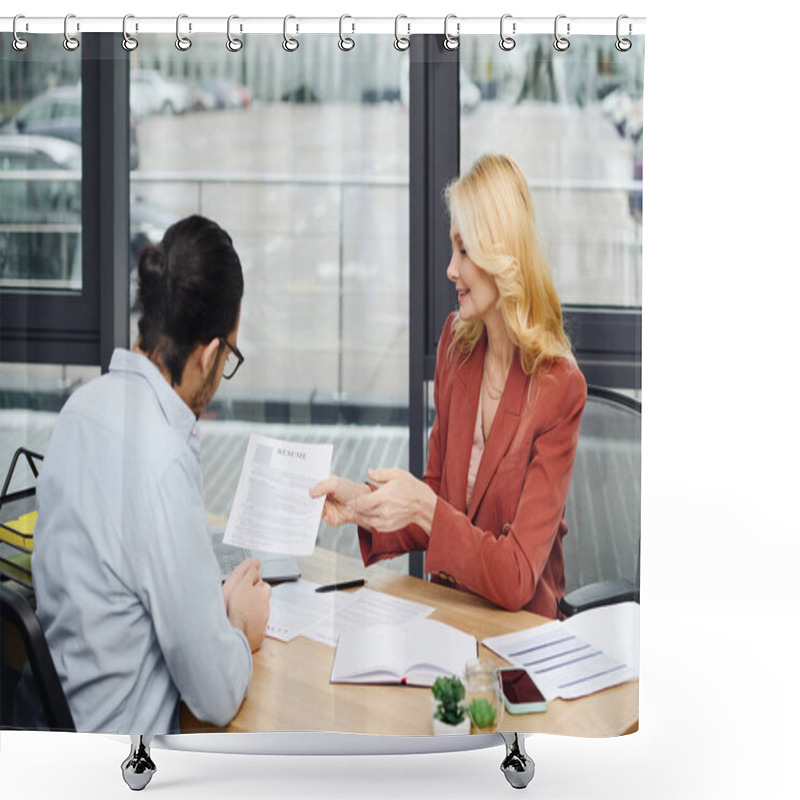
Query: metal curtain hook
{"points": [[561, 43], [70, 42], [507, 42], [623, 45], [289, 44], [183, 43], [345, 42], [233, 44], [401, 42], [129, 43], [451, 42], [19, 44]]}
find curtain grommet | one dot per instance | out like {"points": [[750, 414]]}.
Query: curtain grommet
{"points": [[233, 44], [346, 43], [289, 44], [451, 42], [561, 43], [18, 43], [183, 43], [507, 43], [623, 45], [129, 43], [401, 43], [70, 42]]}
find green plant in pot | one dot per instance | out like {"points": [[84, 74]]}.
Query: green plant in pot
{"points": [[483, 714], [449, 714]]}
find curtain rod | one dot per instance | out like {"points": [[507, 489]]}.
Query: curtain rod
{"points": [[73, 25]]}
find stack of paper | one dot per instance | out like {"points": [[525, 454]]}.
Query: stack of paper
{"points": [[581, 655], [296, 609]]}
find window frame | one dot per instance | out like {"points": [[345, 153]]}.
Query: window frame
{"points": [[82, 328]]}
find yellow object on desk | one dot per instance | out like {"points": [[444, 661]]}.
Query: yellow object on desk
{"points": [[19, 532]]}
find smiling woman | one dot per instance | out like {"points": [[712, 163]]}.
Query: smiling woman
{"points": [[509, 397], [477, 292]]}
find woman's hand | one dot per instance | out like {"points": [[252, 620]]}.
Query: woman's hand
{"points": [[339, 494], [400, 500]]}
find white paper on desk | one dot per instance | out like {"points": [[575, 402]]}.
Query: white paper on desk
{"points": [[588, 652], [296, 605], [368, 609], [272, 509]]}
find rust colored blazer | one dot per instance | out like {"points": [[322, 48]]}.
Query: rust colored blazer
{"points": [[507, 545]]}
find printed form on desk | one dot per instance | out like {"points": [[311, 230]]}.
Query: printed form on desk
{"points": [[272, 509], [581, 655], [297, 609], [296, 605]]}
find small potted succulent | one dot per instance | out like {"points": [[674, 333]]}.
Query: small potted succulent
{"points": [[483, 715], [449, 715]]}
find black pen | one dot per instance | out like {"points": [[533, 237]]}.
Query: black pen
{"points": [[335, 587]]}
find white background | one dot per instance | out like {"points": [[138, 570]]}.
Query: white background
{"points": [[719, 698]]}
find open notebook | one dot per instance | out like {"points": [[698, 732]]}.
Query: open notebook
{"points": [[274, 568]]}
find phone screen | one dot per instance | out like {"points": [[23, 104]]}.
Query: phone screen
{"points": [[518, 687]]}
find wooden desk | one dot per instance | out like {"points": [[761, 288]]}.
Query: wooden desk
{"points": [[291, 689]]}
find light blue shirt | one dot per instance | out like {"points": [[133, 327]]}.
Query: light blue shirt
{"points": [[127, 585]]}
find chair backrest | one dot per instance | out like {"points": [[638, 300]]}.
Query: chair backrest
{"points": [[603, 511], [22, 640]]}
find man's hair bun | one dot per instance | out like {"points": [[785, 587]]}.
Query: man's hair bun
{"points": [[152, 281]]}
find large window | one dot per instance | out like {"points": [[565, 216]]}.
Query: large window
{"points": [[41, 263], [573, 121], [303, 158], [40, 170]]}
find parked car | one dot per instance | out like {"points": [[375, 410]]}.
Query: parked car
{"points": [[154, 94], [40, 220], [625, 112], [225, 93], [57, 112]]}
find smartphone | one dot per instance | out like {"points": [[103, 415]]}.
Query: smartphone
{"points": [[520, 694]]}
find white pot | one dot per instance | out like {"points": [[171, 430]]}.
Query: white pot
{"points": [[443, 729]]}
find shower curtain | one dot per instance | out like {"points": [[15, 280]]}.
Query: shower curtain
{"points": [[327, 168]]}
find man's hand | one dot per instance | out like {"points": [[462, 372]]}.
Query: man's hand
{"points": [[247, 601], [339, 494]]}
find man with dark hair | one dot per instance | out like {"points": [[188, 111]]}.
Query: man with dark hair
{"points": [[126, 582]]}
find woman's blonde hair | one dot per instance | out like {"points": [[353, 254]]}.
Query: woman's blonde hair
{"points": [[492, 209]]}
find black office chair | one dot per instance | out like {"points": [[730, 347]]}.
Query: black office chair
{"points": [[22, 641], [603, 514]]}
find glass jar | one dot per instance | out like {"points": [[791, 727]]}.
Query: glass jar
{"points": [[483, 698]]}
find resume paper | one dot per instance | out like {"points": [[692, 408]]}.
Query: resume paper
{"points": [[272, 509]]}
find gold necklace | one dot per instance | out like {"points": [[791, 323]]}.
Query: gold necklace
{"points": [[491, 392]]}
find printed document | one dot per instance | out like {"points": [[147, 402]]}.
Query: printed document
{"points": [[272, 510], [370, 608], [296, 605], [581, 655], [297, 609]]}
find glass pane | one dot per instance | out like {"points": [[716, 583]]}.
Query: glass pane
{"points": [[303, 158], [31, 395], [573, 121], [40, 167]]}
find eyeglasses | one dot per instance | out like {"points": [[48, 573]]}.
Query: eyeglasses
{"points": [[233, 360]]}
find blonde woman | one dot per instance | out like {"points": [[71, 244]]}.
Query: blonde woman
{"points": [[509, 397]]}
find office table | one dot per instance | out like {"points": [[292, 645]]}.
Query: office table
{"points": [[291, 690]]}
